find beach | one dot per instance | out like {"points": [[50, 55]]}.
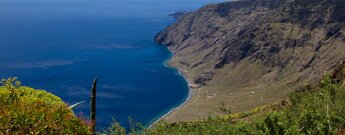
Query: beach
{"points": [[190, 90]]}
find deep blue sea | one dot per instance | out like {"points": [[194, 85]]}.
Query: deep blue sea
{"points": [[62, 45]]}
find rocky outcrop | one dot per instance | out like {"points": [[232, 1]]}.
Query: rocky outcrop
{"points": [[178, 15], [266, 46]]}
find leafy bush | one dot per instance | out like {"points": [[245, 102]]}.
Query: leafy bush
{"points": [[24, 110]]}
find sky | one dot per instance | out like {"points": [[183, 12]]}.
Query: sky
{"points": [[96, 8]]}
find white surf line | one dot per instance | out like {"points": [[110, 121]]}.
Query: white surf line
{"points": [[190, 92], [173, 109]]}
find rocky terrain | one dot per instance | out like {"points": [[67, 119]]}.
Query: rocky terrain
{"points": [[178, 15], [253, 52]]}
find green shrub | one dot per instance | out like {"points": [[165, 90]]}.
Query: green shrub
{"points": [[115, 129], [24, 110]]}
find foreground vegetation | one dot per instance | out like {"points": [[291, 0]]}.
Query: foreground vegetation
{"points": [[313, 109], [24, 110]]}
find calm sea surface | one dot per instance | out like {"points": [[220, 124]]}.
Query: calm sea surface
{"points": [[61, 46]]}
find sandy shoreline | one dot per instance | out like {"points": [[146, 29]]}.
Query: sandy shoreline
{"points": [[190, 90]]}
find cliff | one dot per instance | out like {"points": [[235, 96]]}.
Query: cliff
{"points": [[254, 52]]}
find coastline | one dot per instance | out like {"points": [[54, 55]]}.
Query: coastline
{"points": [[190, 90]]}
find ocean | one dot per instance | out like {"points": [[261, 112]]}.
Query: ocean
{"points": [[62, 45]]}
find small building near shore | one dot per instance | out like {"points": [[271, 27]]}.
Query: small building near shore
{"points": [[194, 85]]}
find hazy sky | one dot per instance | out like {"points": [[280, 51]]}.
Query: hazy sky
{"points": [[117, 8], [111, 0]]}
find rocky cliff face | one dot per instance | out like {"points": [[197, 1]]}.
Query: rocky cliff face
{"points": [[256, 51]]}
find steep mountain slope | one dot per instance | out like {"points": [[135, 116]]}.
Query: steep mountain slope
{"points": [[253, 52]]}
